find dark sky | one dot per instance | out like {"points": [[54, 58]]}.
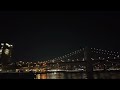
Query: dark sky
{"points": [[41, 35]]}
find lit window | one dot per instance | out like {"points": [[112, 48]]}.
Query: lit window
{"points": [[6, 51]]}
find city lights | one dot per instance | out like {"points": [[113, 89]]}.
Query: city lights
{"points": [[70, 62]]}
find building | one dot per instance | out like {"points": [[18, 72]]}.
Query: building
{"points": [[5, 53]]}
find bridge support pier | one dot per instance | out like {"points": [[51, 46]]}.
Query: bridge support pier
{"points": [[89, 66]]}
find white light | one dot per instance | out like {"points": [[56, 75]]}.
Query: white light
{"points": [[6, 43], [2, 44], [118, 56], [0, 50], [9, 45], [6, 51]]}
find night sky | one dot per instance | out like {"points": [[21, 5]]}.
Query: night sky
{"points": [[43, 35]]}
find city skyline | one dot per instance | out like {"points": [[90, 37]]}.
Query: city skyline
{"points": [[42, 35]]}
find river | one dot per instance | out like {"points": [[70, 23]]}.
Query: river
{"points": [[77, 76]]}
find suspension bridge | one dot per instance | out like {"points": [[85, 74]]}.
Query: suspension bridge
{"points": [[88, 60]]}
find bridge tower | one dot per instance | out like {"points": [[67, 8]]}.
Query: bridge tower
{"points": [[5, 54], [88, 60]]}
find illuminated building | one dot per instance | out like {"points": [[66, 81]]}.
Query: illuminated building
{"points": [[5, 53]]}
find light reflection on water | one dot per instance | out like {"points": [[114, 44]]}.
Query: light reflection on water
{"points": [[77, 76], [61, 76]]}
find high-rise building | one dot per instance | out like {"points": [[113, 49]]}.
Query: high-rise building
{"points": [[5, 53]]}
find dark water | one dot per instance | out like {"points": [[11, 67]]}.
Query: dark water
{"points": [[77, 76], [61, 76]]}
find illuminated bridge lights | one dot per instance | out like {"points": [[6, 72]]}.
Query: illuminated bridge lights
{"points": [[99, 54]]}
